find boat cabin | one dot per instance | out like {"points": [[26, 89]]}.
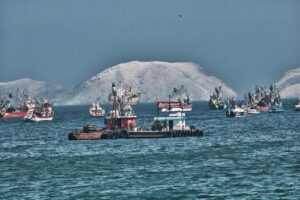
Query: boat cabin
{"points": [[175, 121], [126, 122]]}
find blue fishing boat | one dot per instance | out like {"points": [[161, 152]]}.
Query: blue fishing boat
{"points": [[276, 104], [276, 109]]}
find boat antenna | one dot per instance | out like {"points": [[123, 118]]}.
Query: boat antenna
{"points": [[114, 92], [157, 103], [169, 102]]}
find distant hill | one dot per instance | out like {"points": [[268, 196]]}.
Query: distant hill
{"points": [[33, 88], [290, 84], [152, 79]]}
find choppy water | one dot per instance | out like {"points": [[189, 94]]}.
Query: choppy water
{"points": [[256, 157]]}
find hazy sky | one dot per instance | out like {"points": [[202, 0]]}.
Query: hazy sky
{"points": [[242, 42]]}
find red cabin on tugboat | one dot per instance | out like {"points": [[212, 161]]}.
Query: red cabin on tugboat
{"points": [[120, 122], [122, 115]]}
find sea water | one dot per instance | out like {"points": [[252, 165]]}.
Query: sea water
{"points": [[255, 157]]}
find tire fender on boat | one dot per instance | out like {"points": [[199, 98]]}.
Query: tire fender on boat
{"points": [[124, 134]]}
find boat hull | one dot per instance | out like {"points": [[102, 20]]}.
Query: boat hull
{"points": [[124, 133], [233, 113], [85, 136], [38, 119], [253, 111], [230, 113], [262, 108], [276, 110], [18, 114], [177, 109], [96, 115]]}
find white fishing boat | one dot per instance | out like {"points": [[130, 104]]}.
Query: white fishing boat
{"points": [[216, 102], [250, 105], [233, 110], [42, 111], [96, 110]]}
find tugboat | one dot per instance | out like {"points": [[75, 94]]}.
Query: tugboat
{"points": [[42, 111], [13, 106], [120, 119], [233, 110], [297, 106], [276, 104], [216, 102], [96, 110], [121, 122]]}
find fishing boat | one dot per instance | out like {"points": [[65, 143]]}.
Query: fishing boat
{"points": [[261, 99], [276, 103], [13, 106], [250, 106], [122, 121], [42, 111], [297, 106], [179, 101], [233, 110], [96, 110], [216, 102]]}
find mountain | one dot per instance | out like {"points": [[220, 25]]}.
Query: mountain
{"points": [[32, 88], [152, 79], [290, 84]]}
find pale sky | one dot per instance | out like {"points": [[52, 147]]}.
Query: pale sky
{"points": [[65, 42]]}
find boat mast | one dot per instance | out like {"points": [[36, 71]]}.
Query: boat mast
{"points": [[114, 92]]}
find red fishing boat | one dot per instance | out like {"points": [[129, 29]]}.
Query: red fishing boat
{"points": [[14, 106], [262, 98]]}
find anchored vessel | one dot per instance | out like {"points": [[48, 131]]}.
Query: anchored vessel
{"points": [[179, 101], [14, 106], [250, 104], [96, 110], [276, 104], [41, 111], [121, 122], [216, 102], [233, 110], [262, 99]]}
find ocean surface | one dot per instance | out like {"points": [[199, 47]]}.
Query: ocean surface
{"points": [[255, 157]]}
